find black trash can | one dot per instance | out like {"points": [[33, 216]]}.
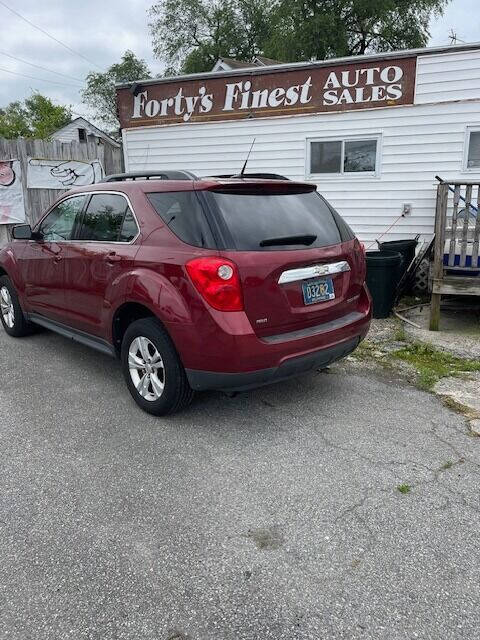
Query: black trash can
{"points": [[383, 269], [405, 247]]}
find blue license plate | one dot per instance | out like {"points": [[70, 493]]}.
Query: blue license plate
{"points": [[318, 291]]}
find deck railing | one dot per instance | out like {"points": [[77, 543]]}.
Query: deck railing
{"points": [[456, 268]]}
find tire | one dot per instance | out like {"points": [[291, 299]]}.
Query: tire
{"points": [[11, 314], [161, 386]]}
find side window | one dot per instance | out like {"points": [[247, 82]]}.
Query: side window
{"points": [[183, 214], [61, 221], [129, 228], [108, 219]]}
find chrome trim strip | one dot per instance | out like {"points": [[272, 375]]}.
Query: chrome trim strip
{"points": [[339, 323], [316, 270]]}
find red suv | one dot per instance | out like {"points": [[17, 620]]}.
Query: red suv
{"points": [[222, 283]]}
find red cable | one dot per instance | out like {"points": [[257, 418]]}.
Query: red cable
{"points": [[385, 232]]}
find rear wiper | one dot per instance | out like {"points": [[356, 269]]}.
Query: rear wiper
{"points": [[284, 240]]}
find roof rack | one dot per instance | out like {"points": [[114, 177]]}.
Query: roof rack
{"points": [[161, 174], [265, 176]]}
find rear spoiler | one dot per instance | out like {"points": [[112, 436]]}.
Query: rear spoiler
{"points": [[264, 176], [270, 186]]}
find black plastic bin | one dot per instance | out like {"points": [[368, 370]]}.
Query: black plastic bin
{"points": [[406, 248], [383, 269]]}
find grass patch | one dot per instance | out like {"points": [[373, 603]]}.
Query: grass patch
{"points": [[404, 488], [365, 350], [431, 364], [399, 333], [447, 465]]}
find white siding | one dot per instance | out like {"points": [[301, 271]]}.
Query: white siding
{"points": [[418, 142], [448, 76], [68, 133]]}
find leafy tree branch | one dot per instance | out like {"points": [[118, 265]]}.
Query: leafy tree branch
{"points": [[99, 92]]}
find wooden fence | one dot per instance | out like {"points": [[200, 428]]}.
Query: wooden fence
{"points": [[38, 200], [456, 266]]}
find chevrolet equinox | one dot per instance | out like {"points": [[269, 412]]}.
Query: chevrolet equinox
{"points": [[224, 283]]}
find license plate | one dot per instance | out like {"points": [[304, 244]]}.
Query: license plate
{"points": [[318, 291]]}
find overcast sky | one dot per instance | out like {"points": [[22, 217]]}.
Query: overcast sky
{"points": [[101, 30]]}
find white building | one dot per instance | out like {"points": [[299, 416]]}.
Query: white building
{"points": [[81, 130], [371, 131]]}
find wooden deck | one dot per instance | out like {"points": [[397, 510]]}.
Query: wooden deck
{"points": [[457, 234]]}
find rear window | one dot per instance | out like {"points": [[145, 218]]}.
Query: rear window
{"points": [[259, 221], [107, 219], [183, 214]]}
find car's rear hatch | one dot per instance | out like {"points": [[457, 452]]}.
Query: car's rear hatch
{"points": [[285, 238]]}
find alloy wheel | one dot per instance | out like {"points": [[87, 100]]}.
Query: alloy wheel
{"points": [[6, 307], [146, 368]]}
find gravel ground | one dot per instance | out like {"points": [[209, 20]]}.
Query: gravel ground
{"points": [[273, 515], [459, 326]]}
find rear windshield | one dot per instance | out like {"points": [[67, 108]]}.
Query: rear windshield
{"points": [[272, 221]]}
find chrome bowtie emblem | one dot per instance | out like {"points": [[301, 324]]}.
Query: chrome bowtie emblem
{"points": [[319, 270]]}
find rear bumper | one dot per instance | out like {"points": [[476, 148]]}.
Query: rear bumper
{"points": [[203, 380], [223, 352]]}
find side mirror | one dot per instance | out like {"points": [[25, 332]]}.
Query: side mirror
{"points": [[22, 232]]}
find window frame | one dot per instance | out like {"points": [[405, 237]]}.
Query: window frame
{"points": [[469, 129], [342, 175], [89, 195]]}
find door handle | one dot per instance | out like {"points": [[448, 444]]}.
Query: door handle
{"points": [[57, 258], [112, 258]]}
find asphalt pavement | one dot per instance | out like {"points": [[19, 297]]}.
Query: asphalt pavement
{"points": [[272, 515]]}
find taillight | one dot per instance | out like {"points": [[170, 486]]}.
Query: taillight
{"points": [[217, 281]]}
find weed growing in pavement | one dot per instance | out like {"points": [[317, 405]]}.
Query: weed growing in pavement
{"points": [[431, 364], [365, 350], [404, 488]]}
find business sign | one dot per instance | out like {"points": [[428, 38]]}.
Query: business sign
{"points": [[12, 207], [313, 89], [44, 173]]}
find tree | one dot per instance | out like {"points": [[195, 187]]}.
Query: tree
{"points": [[99, 92], [44, 116], [190, 35], [13, 121], [35, 117], [319, 29]]}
